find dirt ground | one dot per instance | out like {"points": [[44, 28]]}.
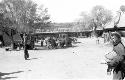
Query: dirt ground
{"points": [[81, 62]]}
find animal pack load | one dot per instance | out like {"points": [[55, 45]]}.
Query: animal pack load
{"points": [[112, 58]]}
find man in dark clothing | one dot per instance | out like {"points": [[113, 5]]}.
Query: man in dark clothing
{"points": [[53, 42], [26, 54]]}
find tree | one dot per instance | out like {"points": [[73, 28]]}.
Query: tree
{"points": [[22, 15], [100, 16], [122, 8], [42, 18], [86, 21]]}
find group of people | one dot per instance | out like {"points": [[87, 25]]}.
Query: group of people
{"points": [[52, 42], [107, 36]]}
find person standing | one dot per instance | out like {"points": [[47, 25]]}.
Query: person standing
{"points": [[97, 40], [116, 64], [42, 40], [26, 54]]}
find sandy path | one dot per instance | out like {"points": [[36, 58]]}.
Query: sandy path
{"points": [[81, 62]]}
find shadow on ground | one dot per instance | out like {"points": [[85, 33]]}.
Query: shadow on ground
{"points": [[32, 58], [4, 74]]}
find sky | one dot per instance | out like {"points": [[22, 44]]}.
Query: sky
{"points": [[69, 10]]}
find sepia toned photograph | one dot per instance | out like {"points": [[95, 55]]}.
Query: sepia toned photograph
{"points": [[62, 39]]}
